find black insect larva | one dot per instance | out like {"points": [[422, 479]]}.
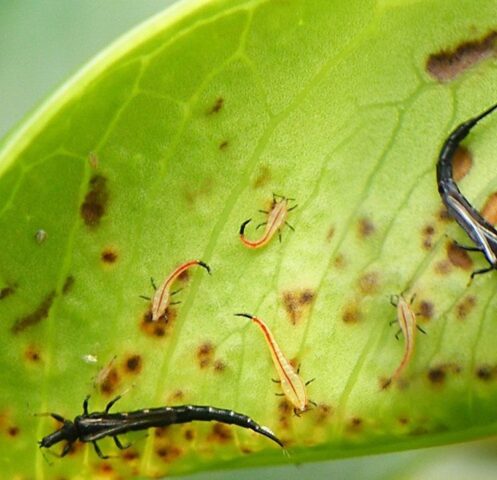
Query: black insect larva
{"points": [[90, 427], [476, 227]]}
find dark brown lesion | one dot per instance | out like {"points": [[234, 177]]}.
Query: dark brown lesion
{"points": [[216, 106], [448, 64], [109, 255], [68, 284], [162, 327], [297, 302], [95, 203], [40, 313], [366, 227], [459, 257], [465, 306], [489, 210], [205, 354], [7, 291], [133, 364], [369, 283]]}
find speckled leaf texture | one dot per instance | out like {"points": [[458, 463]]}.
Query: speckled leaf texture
{"points": [[156, 153]]}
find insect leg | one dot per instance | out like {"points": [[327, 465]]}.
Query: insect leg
{"points": [[66, 449], [279, 235], [391, 322], [85, 404], [144, 297], [99, 452], [261, 225], [394, 300], [55, 416], [313, 403], [469, 249], [292, 208], [275, 381], [120, 445], [176, 291], [296, 412], [153, 283], [309, 382], [421, 329], [264, 211], [398, 333], [175, 303], [290, 227], [111, 403], [483, 270], [280, 394]]}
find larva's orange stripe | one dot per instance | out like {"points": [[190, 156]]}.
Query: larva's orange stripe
{"points": [[275, 349], [271, 228], [172, 277]]}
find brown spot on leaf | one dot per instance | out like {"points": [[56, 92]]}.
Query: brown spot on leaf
{"points": [[351, 314], [437, 375], [366, 227], [403, 420], [297, 302], [443, 215], [426, 309], [13, 431], [220, 433], [133, 364], [95, 203], [461, 163], [217, 106], [369, 283], [177, 396], [161, 327], [109, 255], [446, 65], [459, 257], [486, 373], [489, 210], [219, 366], [355, 424], [223, 145], [429, 230], [168, 453], [6, 291], [129, 455], [340, 261], [263, 177], [110, 382], [161, 432], [189, 434], [35, 317], [330, 233], [427, 237], [465, 306], [285, 411], [105, 468], [323, 413], [32, 354], [205, 354], [68, 285], [443, 267]]}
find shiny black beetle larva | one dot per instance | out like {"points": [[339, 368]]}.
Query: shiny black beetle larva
{"points": [[91, 427], [469, 219]]}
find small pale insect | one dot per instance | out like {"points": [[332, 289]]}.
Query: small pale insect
{"points": [[291, 383], [89, 358], [93, 160], [40, 236], [276, 220], [162, 297], [406, 318]]}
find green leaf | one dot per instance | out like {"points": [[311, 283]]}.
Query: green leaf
{"points": [[157, 152]]}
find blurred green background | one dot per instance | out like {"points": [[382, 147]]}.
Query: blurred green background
{"points": [[42, 43]]}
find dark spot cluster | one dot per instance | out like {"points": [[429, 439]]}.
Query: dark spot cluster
{"points": [[366, 228], [426, 309], [68, 284], [6, 292], [355, 424], [330, 233], [263, 177], [205, 355], [351, 314], [133, 364], [459, 257], [216, 107], [297, 302], [427, 237], [109, 255], [39, 314], [95, 203], [437, 375], [446, 65], [223, 145], [486, 373], [369, 283], [489, 210], [464, 307], [220, 433], [162, 327], [32, 354], [323, 412], [168, 453], [285, 412]]}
